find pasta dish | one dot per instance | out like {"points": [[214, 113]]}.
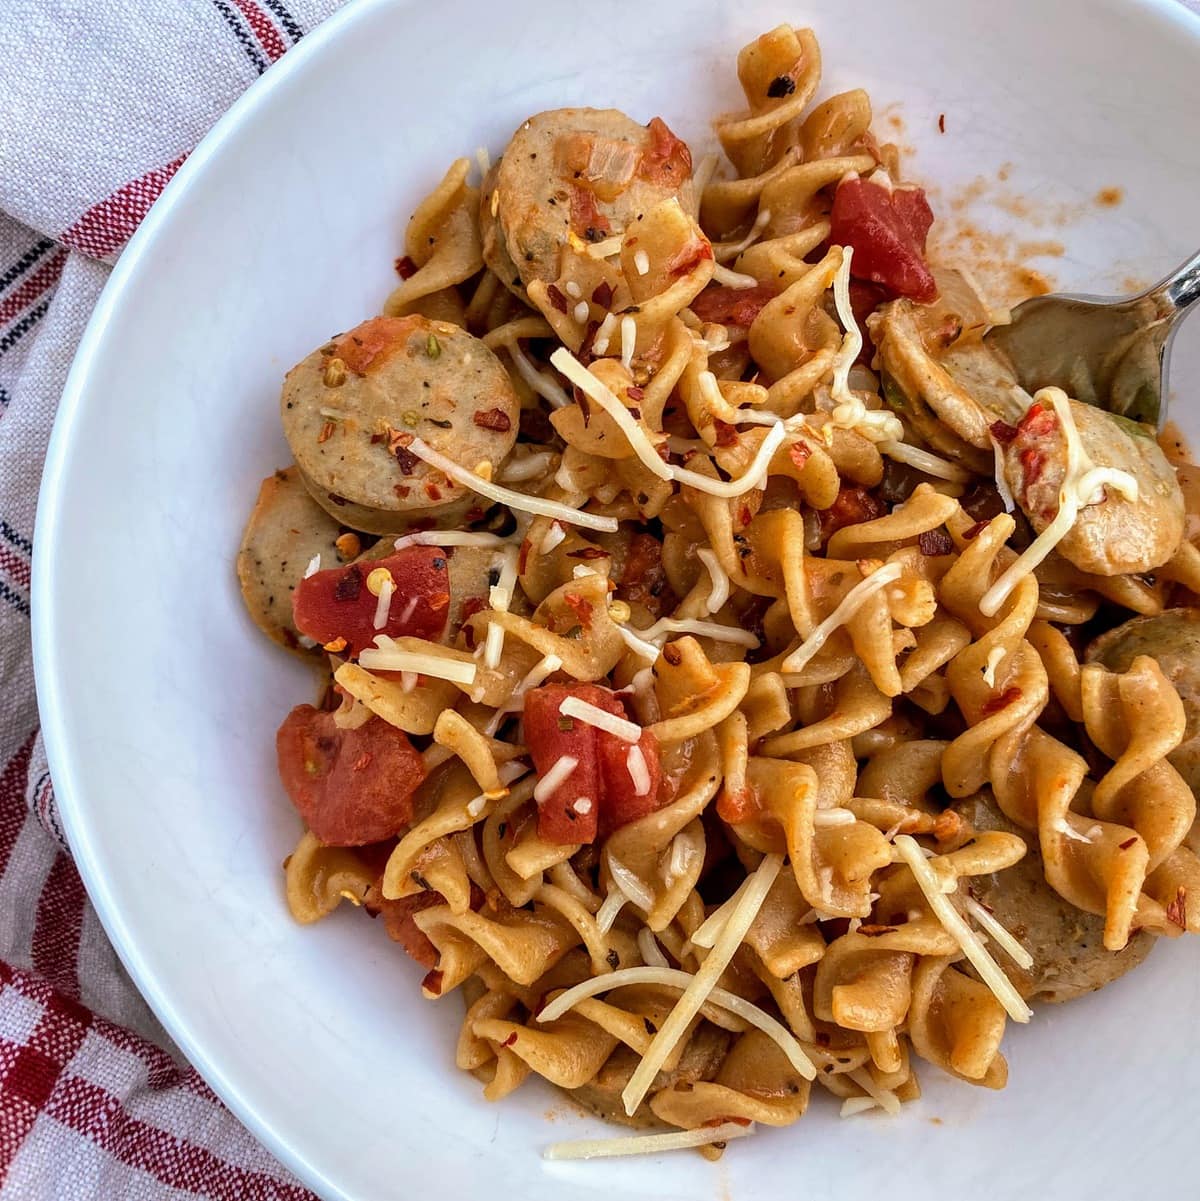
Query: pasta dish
{"points": [[732, 681]]}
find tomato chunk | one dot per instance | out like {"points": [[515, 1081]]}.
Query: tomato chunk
{"points": [[732, 306], [853, 505], [668, 161], [887, 231], [600, 794], [337, 603], [398, 921], [350, 786]]}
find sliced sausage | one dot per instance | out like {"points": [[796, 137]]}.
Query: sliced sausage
{"points": [[573, 176], [286, 530], [1171, 638], [1067, 945], [1114, 536], [350, 408]]}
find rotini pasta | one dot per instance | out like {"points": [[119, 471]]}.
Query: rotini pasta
{"points": [[751, 685]]}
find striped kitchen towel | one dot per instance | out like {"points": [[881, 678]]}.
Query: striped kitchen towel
{"points": [[100, 102]]}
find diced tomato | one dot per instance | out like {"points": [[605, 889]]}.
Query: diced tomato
{"points": [[887, 232], [350, 786], [369, 345], [622, 802], [600, 784], [733, 306], [668, 161], [398, 921], [643, 578], [742, 805], [337, 604], [586, 219], [851, 506]]}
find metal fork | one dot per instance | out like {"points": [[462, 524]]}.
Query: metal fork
{"points": [[1112, 352]]}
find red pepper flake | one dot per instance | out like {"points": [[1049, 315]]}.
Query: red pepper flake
{"points": [[405, 267], [580, 606], [740, 806], [363, 761], [602, 294], [326, 432], [1006, 698], [432, 490], [672, 654], [935, 542], [745, 516], [1124, 846], [873, 931], [401, 490], [349, 584], [1002, 432], [976, 530], [557, 299], [633, 392], [799, 454], [510, 1040], [588, 552], [947, 825], [780, 86], [1038, 421], [941, 122], [726, 434], [377, 438], [1177, 909], [523, 556], [493, 419], [667, 162], [438, 600], [473, 605], [433, 982]]}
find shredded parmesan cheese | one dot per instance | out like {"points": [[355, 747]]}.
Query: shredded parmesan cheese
{"points": [[593, 715], [560, 773], [628, 341], [1068, 831], [883, 1097], [506, 496], [641, 262], [1001, 479], [595, 389], [646, 1144], [733, 279], [387, 656], [639, 773], [719, 593], [638, 645], [851, 603], [922, 460], [665, 626], [651, 952], [547, 388], [500, 596], [543, 668], [994, 659], [1003, 938], [314, 565], [989, 972], [383, 605], [612, 904], [1082, 486], [484, 160], [755, 475], [856, 1105], [603, 334], [702, 985], [676, 978], [605, 249], [628, 882], [710, 929], [834, 817], [449, 538], [726, 254], [554, 535]]}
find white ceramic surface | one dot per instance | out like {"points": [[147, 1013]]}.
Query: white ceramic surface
{"points": [[280, 230]]}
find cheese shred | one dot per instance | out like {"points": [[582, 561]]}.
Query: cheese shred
{"points": [[647, 1144]]}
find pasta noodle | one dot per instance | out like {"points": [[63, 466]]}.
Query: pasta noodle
{"points": [[758, 672]]}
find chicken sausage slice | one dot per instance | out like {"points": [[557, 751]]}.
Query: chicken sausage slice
{"points": [[350, 407]]}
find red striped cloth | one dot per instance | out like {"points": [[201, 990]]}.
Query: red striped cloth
{"points": [[101, 103]]}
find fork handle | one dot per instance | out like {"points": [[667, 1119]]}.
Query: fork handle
{"points": [[1181, 289]]}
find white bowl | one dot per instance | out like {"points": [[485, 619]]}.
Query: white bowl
{"points": [[160, 700]]}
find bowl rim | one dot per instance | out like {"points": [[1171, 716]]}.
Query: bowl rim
{"points": [[50, 677]]}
